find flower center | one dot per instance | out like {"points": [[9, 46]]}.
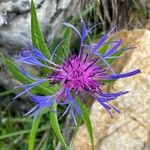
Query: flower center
{"points": [[79, 75]]}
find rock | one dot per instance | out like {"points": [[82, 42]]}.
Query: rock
{"points": [[15, 24], [128, 136], [15, 20], [130, 129]]}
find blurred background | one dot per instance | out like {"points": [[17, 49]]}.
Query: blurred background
{"points": [[133, 19]]}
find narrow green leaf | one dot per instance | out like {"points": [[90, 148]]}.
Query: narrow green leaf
{"points": [[111, 60], [7, 92], [112, 57], [11, 135], [55, 126], [107, 81], [86, 118], [104, 49], [44, 146], [68, 34], [37, 37], [33, 132]]}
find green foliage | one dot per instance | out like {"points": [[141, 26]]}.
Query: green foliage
{"points": [[38, 41], [33, 132], [15, 132], [7, 92], [37, 37], [34, 129], [113, 57], [87, 121], [55, 126], [40, 89]]}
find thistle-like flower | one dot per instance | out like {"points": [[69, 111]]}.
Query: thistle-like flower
{"points": [[78, 75]]}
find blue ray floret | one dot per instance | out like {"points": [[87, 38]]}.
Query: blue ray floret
{"points": [[78, 75]]}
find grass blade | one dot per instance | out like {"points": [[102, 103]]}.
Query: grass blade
{"points": [[87, 121], [37, 37], [34, 129], [55, 126], [12, 135], [7, 92], [33, 132]]}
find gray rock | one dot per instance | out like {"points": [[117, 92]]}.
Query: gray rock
{"points": [[15, 20], [15, 24]]}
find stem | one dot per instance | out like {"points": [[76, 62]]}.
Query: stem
{"points": [[21, 133]]}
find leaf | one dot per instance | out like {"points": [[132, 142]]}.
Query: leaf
{"points": [[111, 60], [55, 126], [22, 132], [37, 37], [33, 132], [87, 121], [34, 129], [7, 92], [68, 34], [104, 49], [107, 81]]}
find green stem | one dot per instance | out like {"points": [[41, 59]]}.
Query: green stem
{"points": [[7, 92], [20, 133]]}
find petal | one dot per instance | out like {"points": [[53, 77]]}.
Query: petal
{"points": [[74, 118], [28, 87], [35, 52], [102, 40], [124, 75], [105, 106], [31, 111], [31, 60], [41, 99], [114, 48], [84, 31], [67, 109], [73, 27], [113, 94], [122, 50], [76, 107], [24, 72], [105, 62], [115, 109]]}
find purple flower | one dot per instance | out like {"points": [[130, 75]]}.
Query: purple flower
{"points": [[78, 75]]}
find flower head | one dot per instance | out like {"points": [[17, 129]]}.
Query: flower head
{"points": [[78, 75]]}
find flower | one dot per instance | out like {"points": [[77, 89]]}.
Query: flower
{"points": [[78, 75]]}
